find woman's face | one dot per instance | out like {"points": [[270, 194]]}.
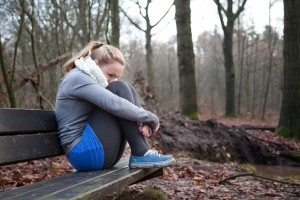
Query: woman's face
{"points": [[112, 71]]}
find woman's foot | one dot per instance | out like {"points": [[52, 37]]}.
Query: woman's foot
{"points": [[151, 159]]}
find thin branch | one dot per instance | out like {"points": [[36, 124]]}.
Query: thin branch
{"points": [[35, 86], [240, 9], [163, 15], [163, 27], [101, 20], [22, 18], [131, 21], [220, 8], [256, 176], [140, 8], [146, 17], [64, 15]]}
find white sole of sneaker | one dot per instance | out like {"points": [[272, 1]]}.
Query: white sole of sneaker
{"points": [[152, 165]]}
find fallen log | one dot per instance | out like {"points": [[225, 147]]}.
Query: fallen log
{"points": [[251, 127], [295, 155], [39, 71]]}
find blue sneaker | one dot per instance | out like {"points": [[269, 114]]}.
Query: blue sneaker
{"points": [[151, 159]]}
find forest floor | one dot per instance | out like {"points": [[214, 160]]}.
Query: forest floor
{"points": [[206, 153], [205, 176]]}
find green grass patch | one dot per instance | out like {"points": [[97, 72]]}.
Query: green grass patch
{"points": [[248, 167], [193, 115], [149, 193], [230, 115], [285, 132]]}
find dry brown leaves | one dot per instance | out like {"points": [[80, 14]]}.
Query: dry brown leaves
{"points": [[188, 179], [194, 179], [16, 175]]}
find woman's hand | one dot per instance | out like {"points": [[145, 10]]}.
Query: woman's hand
{"points": [[146, 130]]}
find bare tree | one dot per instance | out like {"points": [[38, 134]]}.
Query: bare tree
{"points": [[31, 30], [271, 37], [144, 12], [84, 21], [227, 50], [9, 77]]}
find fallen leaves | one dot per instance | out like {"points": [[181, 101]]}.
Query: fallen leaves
{"points": [[195, 179], [188, 179], [20, 174]]}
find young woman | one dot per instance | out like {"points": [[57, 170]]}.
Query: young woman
{"points": [[96, 113]]}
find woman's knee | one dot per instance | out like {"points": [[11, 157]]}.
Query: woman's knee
{"points": [[121, 88], [118, 85]]}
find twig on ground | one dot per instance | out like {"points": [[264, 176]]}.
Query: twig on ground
{"points": [[256, 176]]}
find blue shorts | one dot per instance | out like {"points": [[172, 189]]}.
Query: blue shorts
{"points": [[88, 154]]}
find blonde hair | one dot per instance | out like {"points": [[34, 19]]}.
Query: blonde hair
{"points": [[104, 53]]}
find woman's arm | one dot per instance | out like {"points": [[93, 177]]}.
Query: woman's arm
{"points": [[83, 87]]}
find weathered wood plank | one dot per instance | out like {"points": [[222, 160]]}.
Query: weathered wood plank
{"points": [[82, 185], [50, 186], [20, 121], [101, 186], [18, 148]]}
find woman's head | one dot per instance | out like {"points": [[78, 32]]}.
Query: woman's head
{"points": [[109, 58]]}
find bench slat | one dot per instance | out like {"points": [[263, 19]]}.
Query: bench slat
{"points": [[20, 121], [82, 185], [101, 186], [52, 185], [18, 148]]}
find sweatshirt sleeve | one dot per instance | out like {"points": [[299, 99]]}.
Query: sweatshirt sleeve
{"points": [[87, 89]]}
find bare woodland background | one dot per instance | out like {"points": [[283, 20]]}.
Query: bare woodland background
{"points": [[34, 33]]}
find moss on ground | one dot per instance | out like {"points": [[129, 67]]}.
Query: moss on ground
{"points": [[149, 193]]}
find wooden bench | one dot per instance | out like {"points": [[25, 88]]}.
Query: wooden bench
{"points": [[32, 134]]}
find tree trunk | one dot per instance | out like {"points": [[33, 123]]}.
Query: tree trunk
{"points": [[9, 79], [229, 72], [149, 60], [186, 62], [289, 122], [254, 78], [83, 20], [32, 33], [115, 23], [269, 71], [272, 38], [241, 50], [9, 89]]}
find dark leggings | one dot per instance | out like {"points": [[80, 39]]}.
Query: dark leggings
{"points": [[113, 131]]}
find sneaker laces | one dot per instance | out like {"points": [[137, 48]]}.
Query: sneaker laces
{"points": [[153, 152]]}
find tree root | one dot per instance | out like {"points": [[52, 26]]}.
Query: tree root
{"points": [[256, 176]]}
